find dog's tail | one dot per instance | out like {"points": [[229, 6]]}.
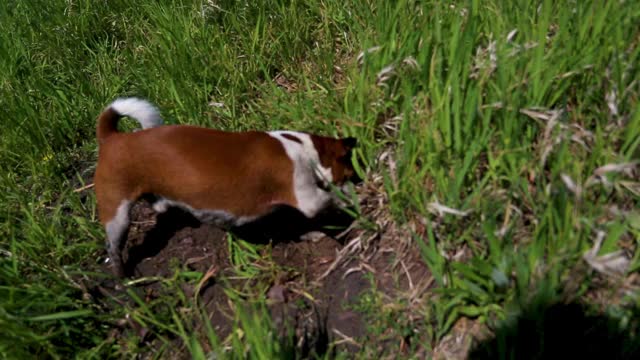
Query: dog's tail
{"points": [[141, 110]]}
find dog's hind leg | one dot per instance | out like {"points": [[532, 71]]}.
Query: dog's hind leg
{"points": [[116, 232], [114, 215]]}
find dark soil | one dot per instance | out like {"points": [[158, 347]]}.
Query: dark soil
{"points": [[159, 242]]}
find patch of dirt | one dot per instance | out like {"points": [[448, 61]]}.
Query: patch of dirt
{"points": [[314, 297]]}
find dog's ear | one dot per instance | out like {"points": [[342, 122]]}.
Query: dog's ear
{"points": [[349, 142]]}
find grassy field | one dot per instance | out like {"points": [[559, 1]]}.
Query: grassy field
{"points": [[499, 138]]}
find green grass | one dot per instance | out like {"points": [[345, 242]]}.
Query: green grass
{"points": [[474, 119]]}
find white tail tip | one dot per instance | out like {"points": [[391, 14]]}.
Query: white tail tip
{"points": [[143, 111]]}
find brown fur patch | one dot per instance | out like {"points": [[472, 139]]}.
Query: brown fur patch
{"points": [[336, 155], [241, 173]]}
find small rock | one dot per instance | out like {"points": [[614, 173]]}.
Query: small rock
{"points": [[277, 294]]}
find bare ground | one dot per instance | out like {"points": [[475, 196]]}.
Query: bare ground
{"points": [[314, 291]]}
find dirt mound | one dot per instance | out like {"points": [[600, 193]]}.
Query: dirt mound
{"points": [[315, 297]]}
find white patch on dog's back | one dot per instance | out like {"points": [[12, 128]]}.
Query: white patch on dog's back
{"points": [[141, 110], [307, 171]]}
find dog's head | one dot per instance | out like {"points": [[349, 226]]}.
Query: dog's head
{"points": [[337, 155]]}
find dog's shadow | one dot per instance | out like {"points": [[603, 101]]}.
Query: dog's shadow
{"points": [[288, 224], [283, 224], [156, 239]]}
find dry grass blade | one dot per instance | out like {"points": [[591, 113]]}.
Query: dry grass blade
{"points": [[371, 50], [440, 210], [576, 189], [612, 102], [486, 60], [599, 173], [213, 270], [333, 266], [6, 253], [83, 188], [613, 264], [345, 338], [623, 167], [411, 62], [385, 74], [546, 116], [406, 271]]}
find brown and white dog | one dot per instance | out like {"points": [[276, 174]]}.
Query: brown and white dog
{"points": [[225, 178]]}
